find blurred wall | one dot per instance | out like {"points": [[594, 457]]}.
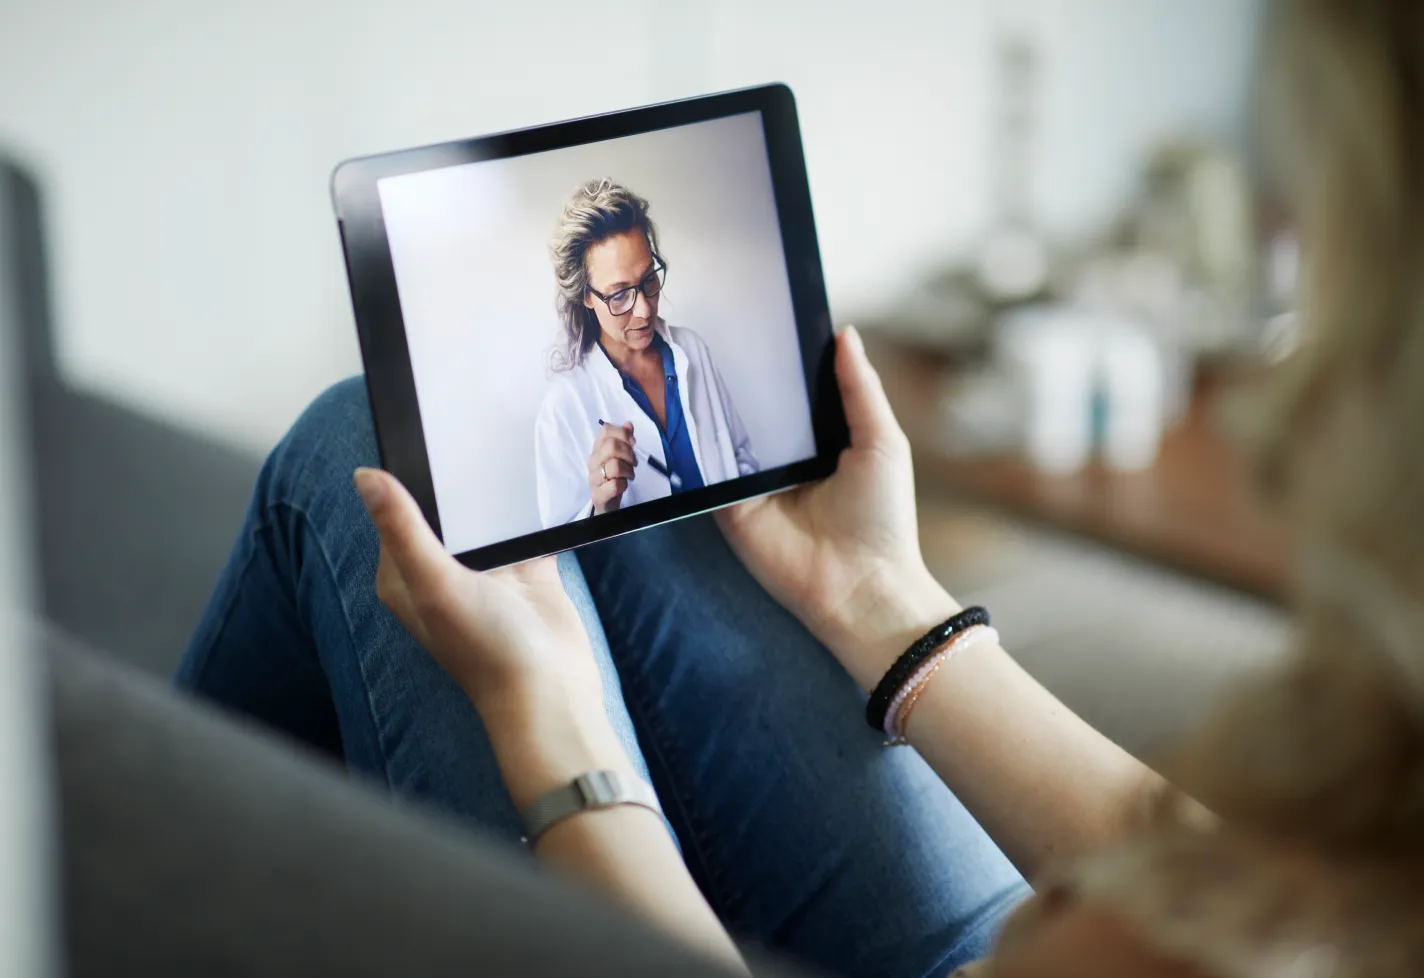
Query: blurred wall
{"points": [[186, 146]]}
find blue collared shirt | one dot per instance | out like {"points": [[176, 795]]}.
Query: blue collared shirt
{"points": [[677, 443]]}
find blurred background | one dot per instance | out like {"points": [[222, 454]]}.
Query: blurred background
{"points": [[1043, 212]]}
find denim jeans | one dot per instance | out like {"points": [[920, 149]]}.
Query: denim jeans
{"points": [[803, 831]]}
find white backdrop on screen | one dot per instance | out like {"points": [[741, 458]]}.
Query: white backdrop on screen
{"points": [[470, 246]]}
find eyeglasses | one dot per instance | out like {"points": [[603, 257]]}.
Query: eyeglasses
{"points": [[621, 303]]}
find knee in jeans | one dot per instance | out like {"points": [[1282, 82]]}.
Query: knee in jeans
{"points": [[333, 437]]}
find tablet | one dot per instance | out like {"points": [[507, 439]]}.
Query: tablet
{"points": [[583, 329]]}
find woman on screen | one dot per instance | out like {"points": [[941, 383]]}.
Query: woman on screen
{"points": [[637, 410]]}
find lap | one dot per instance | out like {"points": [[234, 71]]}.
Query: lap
{"points": [[803, 831]]}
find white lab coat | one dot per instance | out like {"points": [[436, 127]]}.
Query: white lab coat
{"points": [[568, 420]]}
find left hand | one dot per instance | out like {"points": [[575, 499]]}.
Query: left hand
{"points": [[499, 632], [843, 555]]}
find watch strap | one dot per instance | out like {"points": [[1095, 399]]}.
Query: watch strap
{"points": [[587, 792]]}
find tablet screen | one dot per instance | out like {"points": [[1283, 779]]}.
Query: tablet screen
{"points": [[597, 327]]}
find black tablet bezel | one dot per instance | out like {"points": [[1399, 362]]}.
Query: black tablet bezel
{"points": [[390, 381]]}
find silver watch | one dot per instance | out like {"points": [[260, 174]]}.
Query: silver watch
{"points": [[596, 789]]}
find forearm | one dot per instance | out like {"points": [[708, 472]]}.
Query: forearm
{"points": [[626, 851], [1043, 783]]}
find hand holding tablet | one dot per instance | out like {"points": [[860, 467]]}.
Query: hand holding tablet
{"points": [[512, 295]]}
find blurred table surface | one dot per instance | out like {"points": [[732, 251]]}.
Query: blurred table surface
{"points": [[1192, 510]]}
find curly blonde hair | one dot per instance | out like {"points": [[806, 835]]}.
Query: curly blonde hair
{"points": [[594, 212]]}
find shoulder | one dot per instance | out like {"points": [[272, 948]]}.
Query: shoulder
{"points": [[567, 390], [689, 340], [684, 337]]}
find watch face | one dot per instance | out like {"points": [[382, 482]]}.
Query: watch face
{"points": [[596, 789], [601, 788]]}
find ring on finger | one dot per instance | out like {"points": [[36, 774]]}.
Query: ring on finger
{"points": [[602, 471]]}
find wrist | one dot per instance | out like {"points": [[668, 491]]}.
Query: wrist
{"points": [[545, 735], [892, 610]]}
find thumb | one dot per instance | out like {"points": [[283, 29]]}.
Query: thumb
{"points": [[867, 409], [405, 536]]}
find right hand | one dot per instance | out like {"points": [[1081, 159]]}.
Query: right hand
{"points": [[497, 632], [511, 638], [611, 467], [843, 555]]}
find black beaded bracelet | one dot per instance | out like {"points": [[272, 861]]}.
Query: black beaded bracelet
{"points": [[913, 658]]}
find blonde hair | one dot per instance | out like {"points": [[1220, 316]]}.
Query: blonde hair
{"points": [[1331, 750], [595, 211], [1315, 771]]}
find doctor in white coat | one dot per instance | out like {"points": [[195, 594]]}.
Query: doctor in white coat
{"points": [[636, 410]]}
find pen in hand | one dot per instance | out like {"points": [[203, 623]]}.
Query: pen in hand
{"points": [[655, 463]]}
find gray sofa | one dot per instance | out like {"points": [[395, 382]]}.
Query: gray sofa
{"points": [[134, 516]]}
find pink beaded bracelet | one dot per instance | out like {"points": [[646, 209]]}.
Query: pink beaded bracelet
{"points": [[903, 703], [918, 677]]}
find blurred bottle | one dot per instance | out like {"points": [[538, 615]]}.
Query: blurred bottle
{"points": [[1133, 390], [1086, 382], [1048, 353]]}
